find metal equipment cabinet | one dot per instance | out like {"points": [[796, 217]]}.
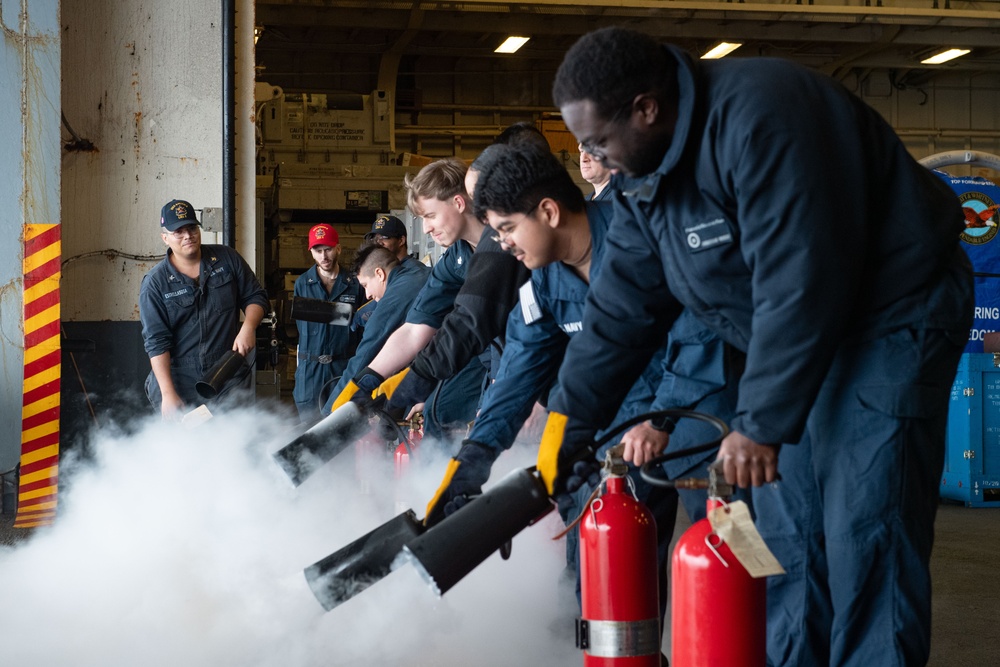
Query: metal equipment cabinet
{"points": [[972, 444]]}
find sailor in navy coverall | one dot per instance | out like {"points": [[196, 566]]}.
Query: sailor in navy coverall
{"points": [[189, 306], [432, 304], [787, 216], [323, 349], [404, 281]]}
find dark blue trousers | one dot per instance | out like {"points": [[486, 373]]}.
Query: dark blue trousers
{"points": [[852, 519]]}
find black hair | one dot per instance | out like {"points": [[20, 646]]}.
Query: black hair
{"points": [[523, 132], [610, 67], [373, 256], [518, 134], [513, 179]]}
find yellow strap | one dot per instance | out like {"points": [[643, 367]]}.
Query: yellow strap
{"points": [[388, 388], [449, 473], [346, 395], [548, 450]]}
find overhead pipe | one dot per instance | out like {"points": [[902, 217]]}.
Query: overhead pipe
{"points": [[926, 12], [948, 134], [450, 131]]}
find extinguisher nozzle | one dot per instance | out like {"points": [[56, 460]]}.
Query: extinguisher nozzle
{"points": [[407, 556], [362, 563], [324, 440], [451, 549]]}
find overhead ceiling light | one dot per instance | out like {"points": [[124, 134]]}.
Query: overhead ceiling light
{"points": [[944, 56], [721, 50], [511, 44], [257, 30]]}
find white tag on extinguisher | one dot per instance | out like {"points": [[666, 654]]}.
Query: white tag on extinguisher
{"points": [[734, 525]]}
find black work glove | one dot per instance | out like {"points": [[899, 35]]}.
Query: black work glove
{"points": [[387, 429], [411, 389], [566, 456], [360, 389], [587, 472], [467, 472]]}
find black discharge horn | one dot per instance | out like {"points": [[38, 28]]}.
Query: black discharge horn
{"points": [[453, 548], [365, 561], [328, 437], [222, 372]]}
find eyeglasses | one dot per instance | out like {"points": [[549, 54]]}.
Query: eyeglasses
{"points": [[502, 235], [186, 230], [595, 147]]}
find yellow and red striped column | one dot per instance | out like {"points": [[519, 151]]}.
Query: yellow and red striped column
{"points": [[36, 504]]}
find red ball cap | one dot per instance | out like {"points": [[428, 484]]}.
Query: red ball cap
{"points": [[323, 234]]}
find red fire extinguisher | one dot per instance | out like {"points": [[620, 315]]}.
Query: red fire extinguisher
{"points": [[717, 609], [618, 580], [405, 449]]}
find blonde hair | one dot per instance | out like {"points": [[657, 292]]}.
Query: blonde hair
{"points": [[441, 179]]}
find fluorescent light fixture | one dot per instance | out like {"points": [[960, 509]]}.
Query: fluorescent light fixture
{"points": [[721, 50], [512, 44], [944, 56]]}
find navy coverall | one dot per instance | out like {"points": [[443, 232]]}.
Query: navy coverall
{"points": [[809, 238], [401, 288], [196, 321], [323, 349], [550, 313]]}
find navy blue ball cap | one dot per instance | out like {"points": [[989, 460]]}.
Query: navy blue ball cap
{"points": [[389, 226], [175, 214]]}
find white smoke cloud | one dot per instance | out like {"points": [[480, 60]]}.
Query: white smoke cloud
{"points": [[186, 547]]}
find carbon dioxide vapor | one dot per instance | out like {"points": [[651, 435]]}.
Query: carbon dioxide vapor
{"points": [[185, 546]]}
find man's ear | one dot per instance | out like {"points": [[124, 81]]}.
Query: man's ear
{"points": [[380, 274], [459, 201], [549, 212], [647, 108]]}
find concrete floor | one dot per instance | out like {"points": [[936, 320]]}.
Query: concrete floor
{"points": [[9, 536], [966, 577], [965, 566]]}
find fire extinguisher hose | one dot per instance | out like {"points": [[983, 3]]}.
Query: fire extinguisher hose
{"points": [[647, 468], [390, 423], [673, 415], [646, 471]]}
